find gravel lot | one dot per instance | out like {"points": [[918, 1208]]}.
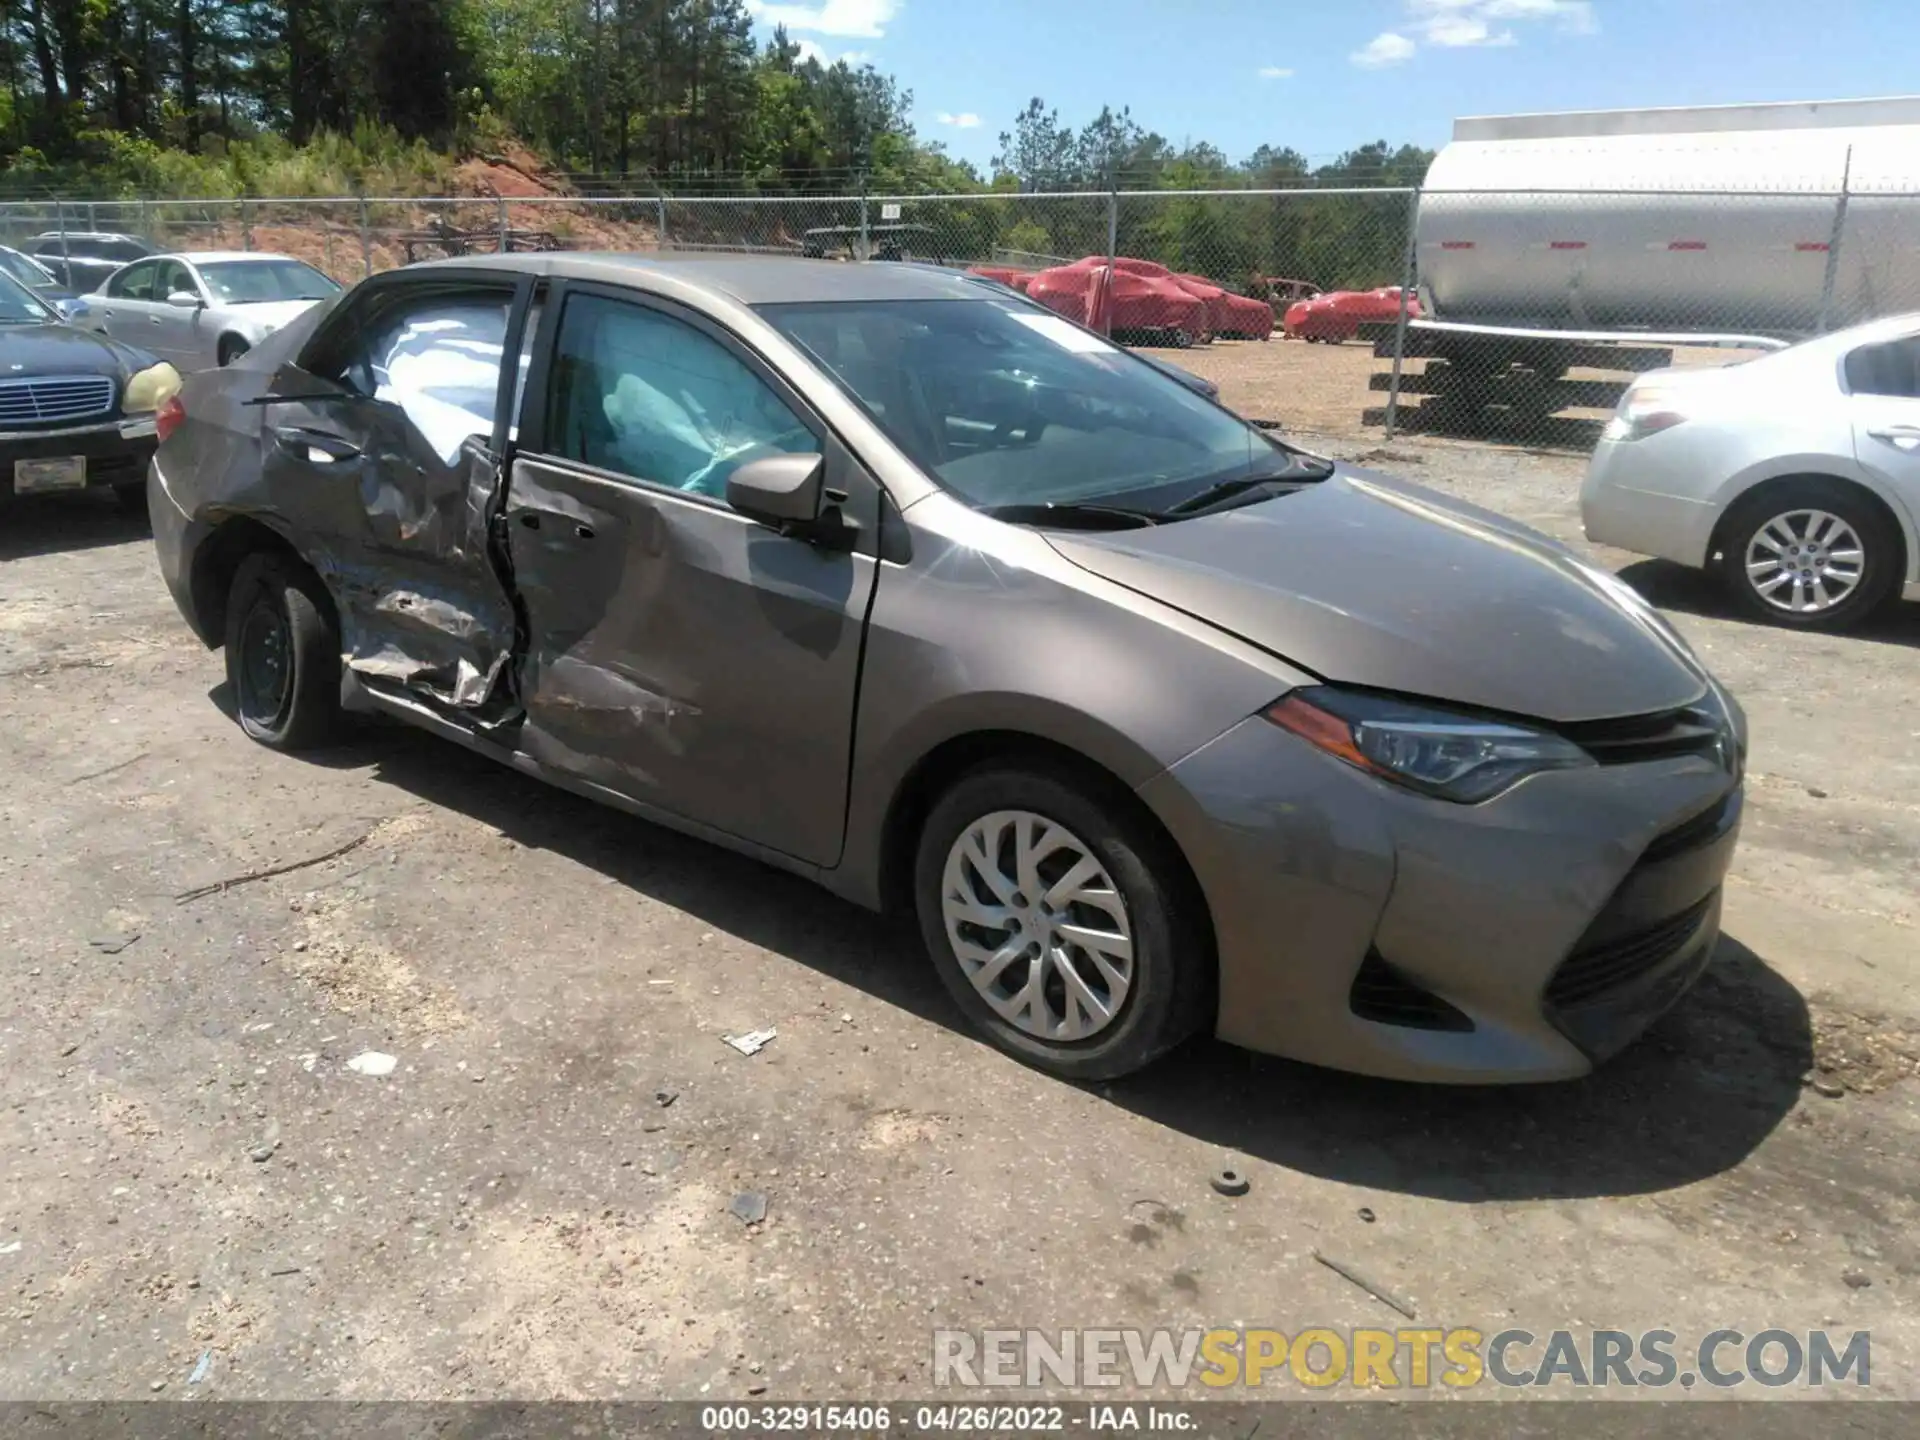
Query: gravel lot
{"points": [[535, 1202]]}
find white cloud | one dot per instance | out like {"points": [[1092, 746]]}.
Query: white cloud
{"points": [[965, 120], [866, 19], [813, 50], [1275, 72], [1471, 24], [1456, 30], [1384, 50]]}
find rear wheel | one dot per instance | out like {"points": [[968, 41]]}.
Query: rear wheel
{"points": [[232, 347], [283, 653], [1812, 554], [1061, 922]]}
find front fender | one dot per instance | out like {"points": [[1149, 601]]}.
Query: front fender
{"points": [[1002, 635]]}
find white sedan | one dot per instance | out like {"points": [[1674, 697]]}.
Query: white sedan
{"points": [[1794, 477], [204, 308]]}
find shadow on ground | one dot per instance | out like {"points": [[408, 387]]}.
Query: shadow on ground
{"points": [[47, 524], [1694, 592], [1695, 1097]]}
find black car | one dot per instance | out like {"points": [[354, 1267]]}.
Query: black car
{"points": [[37, 278], [83, 259], [77, 410]]}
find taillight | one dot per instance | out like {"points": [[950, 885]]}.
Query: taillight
{"points": [[167, 419], [1643, 412]]}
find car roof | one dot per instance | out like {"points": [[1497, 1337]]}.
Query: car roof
{"points": [[210, 257], [745, 279], [89, 235]]}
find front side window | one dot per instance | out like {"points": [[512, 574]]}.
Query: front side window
{"points": [[262, 282], [1005, 403], [173, 279], [645, 395], [134, 283], [434, 353], [1892, 368], [125, 249]]}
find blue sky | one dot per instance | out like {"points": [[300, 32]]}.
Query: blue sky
{"points": [[1326, 75]]}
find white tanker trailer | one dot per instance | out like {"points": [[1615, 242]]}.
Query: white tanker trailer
{"points": [[1603, 240]]}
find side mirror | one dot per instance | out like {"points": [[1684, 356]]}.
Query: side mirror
{"points": [[780, 490], [184, 300]]}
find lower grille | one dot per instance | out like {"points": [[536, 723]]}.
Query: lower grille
{"points": [[54, 397], [1594, 972], [1382, 994]]}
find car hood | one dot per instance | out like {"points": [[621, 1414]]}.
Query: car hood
{"points": [[1368, 581], [28, 350]]}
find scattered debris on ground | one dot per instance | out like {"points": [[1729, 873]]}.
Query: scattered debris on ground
{"points": [[753, 1042], [1372, 1287]]}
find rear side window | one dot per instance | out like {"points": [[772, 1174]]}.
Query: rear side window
{"points": [[126, 250], [645, 395], [435, 353], [1892, 368]]}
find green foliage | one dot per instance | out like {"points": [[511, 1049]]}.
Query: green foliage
{"points": [[278, 98]]}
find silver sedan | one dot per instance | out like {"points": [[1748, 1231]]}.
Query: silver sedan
{"points": [[205, 308]]}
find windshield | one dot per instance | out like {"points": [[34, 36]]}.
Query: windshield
{"points": [[19, 305], [255, 282], [28, 273], [1007, 404]]}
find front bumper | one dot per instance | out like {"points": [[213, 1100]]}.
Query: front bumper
{"points": [[1370, 929], [116, 452]]}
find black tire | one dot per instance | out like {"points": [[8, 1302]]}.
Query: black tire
{"points": [[232, 348], [1879, 541], [1172, 982], [132, 499], [278, 608]]}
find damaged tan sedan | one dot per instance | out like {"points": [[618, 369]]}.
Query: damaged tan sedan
{"points": [[1156, 723]]}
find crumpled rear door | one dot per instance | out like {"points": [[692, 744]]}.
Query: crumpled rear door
{"points": [[386, 470]]}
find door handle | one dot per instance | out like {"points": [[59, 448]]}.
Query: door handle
{"points": [[1901, 437], [531, 520], [315, 445]]}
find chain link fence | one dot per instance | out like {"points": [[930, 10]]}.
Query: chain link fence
{"points": [[1509, 317]]}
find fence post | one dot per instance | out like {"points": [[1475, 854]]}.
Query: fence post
{"points": [[366, 240], [1400, 324], [1833, 244], [66, 260], [660, 225], [1113, 238], [865, 244], [246, 225]]}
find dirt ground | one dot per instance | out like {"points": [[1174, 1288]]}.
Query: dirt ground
{"points": [[201, 1170]]}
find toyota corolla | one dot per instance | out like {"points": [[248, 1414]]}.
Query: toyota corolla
{"points": [[1157, 724]]}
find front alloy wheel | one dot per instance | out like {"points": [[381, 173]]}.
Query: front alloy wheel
{"points": [[1061, 919], [1040, 930]]}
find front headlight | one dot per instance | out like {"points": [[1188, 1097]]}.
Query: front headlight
{"points": [[150, 389], [1442, 753]]}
